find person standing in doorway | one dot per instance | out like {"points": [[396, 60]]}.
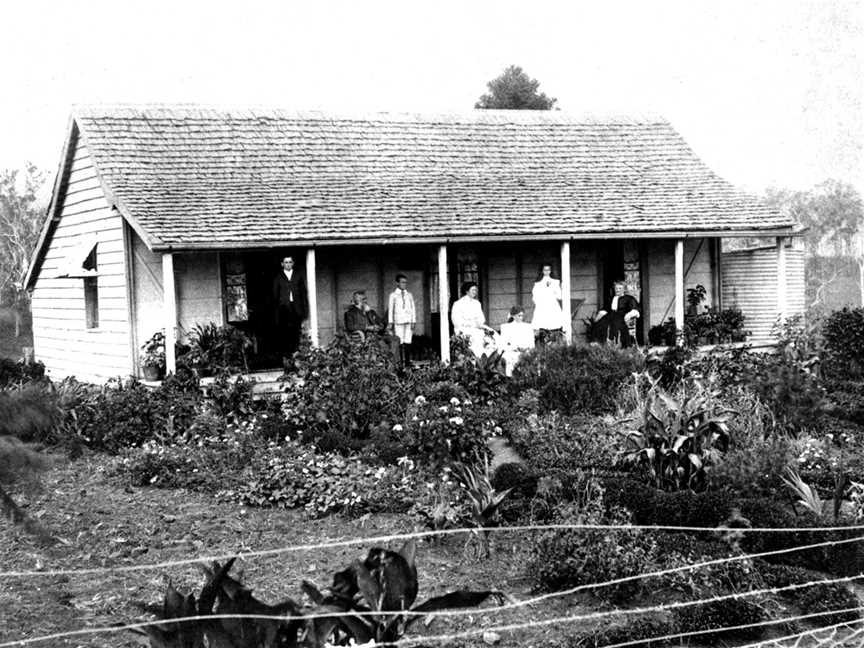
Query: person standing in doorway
{"points": [[289, 295], [402, 317]]}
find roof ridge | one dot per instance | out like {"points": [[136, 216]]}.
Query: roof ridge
{"points": [[254, 111]]}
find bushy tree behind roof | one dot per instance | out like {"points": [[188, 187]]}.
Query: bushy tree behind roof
{"points": [[514, 90]]}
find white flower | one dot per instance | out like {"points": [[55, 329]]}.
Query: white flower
{"points": [[454, 401], [397, 428], [420, 400], [456, 420], [443, 408]]}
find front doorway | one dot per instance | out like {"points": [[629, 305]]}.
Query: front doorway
{"points": [[251, 273], [622, 260]]}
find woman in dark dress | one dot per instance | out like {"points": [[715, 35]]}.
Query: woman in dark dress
{"points": [[612, 321]]}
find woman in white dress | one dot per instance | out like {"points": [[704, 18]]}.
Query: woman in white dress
{"points": [[548, 315], [517, 336], [468, 319]]}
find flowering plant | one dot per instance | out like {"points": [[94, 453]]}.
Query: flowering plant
{"points": [[444, 432]]}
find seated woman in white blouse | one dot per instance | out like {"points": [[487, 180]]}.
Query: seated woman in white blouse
{"points": [[517, 336], [468, 319]]}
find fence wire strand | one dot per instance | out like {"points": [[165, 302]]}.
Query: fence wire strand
{"points": [[331, 544], [594, 616]]}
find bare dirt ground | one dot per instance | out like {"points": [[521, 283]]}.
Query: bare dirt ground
{"points": [[103, 523]]}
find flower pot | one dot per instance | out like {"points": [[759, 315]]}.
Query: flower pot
{"points": [[152, 373]]}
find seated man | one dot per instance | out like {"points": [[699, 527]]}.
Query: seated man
{"points": [[360, 319], [615, 321]]}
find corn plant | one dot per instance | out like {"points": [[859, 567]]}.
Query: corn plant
{"points": [[678, 439], [485, 500]]}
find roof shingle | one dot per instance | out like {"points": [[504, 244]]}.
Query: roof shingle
{"points": [[198, 177]]}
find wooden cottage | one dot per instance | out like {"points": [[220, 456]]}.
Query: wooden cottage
{"points": [[167, 216]]}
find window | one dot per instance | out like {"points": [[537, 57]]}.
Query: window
{"points": [[91, 291]]}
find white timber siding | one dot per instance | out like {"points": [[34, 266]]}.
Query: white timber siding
{"points": [[60, 336], [749, 279], [659, 265], [198, 286]]}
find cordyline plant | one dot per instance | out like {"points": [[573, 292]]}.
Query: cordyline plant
{"points": [[372, 600], [677, 440], [485, 500]]}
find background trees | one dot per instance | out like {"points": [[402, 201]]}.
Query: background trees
{"points": [[832, 214], [514, 90], [21, 212]]}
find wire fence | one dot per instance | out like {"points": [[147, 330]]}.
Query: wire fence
{"points": [[839, 634]]}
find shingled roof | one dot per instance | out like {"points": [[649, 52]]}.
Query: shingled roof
{"points": [[192, 177]]}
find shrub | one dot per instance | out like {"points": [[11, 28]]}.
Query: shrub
{"points": [[211, 458], [824, 597], [343, 392], [516, 477], [843, 331], [482, 378], [652, 506], [31, 413], [720, 614], [671, 367], [554, 445], [444, 433], [637, 632], [294, 476], [232, 398], [576, 378], [19, 373], [755, 468], [567, 558]]}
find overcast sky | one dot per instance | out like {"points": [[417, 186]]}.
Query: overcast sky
{"points": [[768, 93]]}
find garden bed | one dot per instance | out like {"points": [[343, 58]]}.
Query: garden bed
{"points": [[102, 522]]}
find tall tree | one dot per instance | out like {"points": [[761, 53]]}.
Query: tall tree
{"points": [[20, 221], [515, 90], [833, 215]]}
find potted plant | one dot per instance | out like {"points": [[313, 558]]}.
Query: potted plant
{"points": [[153, 357], [214, 348]]}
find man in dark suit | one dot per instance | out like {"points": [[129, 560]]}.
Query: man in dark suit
{"points": [[289, 295], [613, 322]]}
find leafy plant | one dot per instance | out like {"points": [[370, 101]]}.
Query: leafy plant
{"points": [[153, 352], [807, 496], [482, 378], [222, 595], [385, 584], [678, 439], [214, 348], [484, 499]]}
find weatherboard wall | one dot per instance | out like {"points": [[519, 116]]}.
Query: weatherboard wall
{"points": [[61, 338]]}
